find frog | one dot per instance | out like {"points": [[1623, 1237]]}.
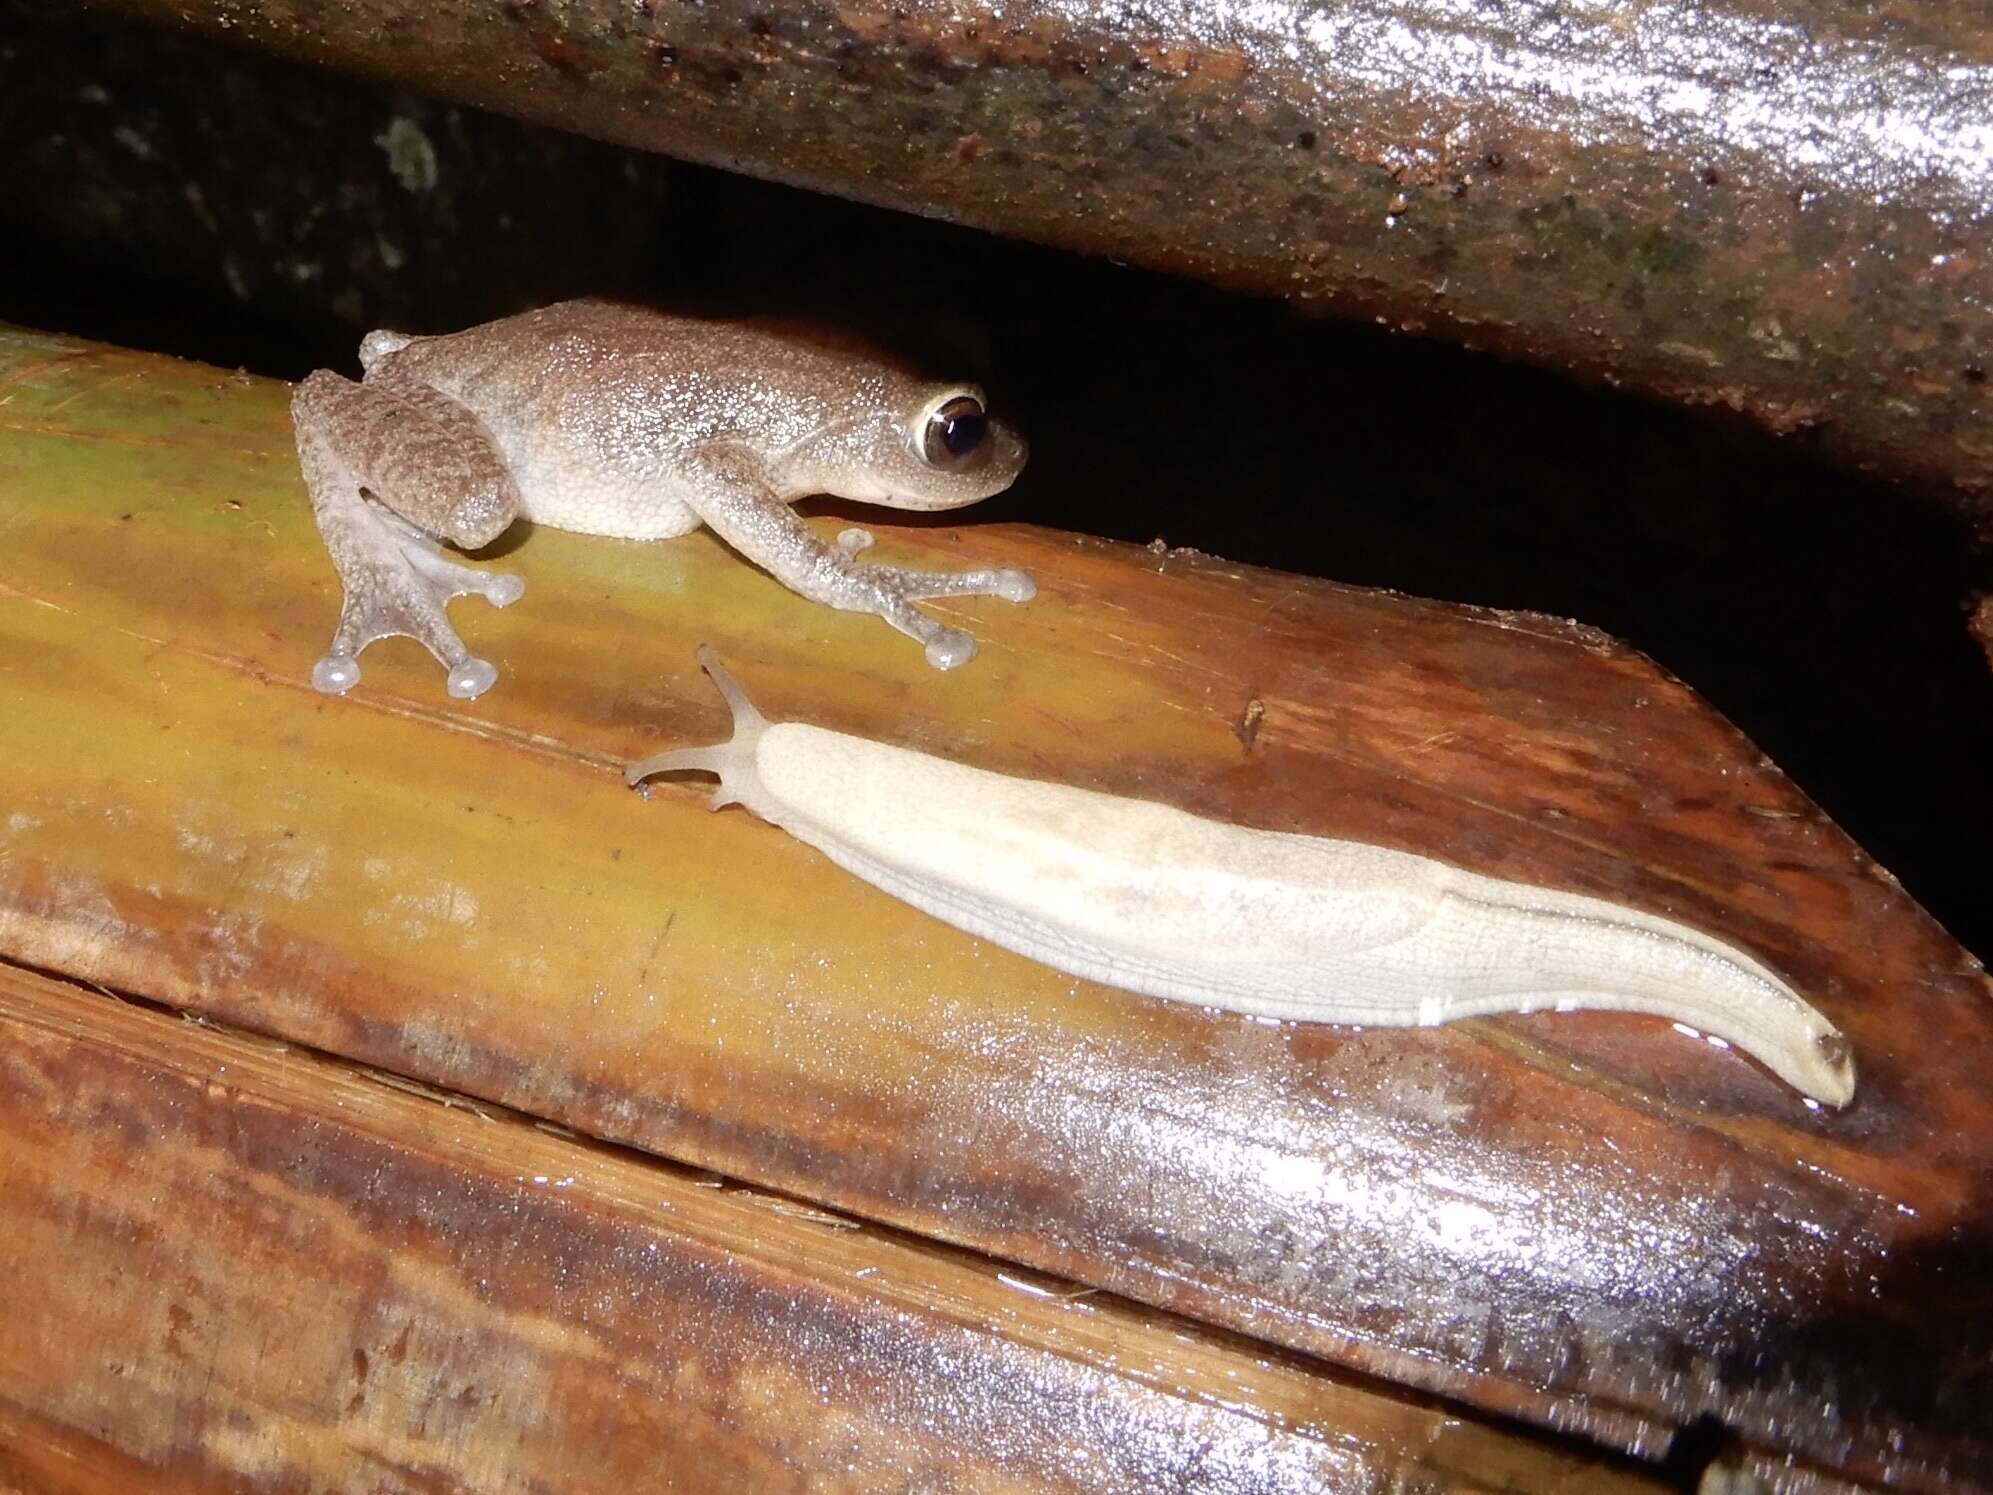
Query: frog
{"points": [[619, 419]]}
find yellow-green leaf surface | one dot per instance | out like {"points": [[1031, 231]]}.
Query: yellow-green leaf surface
{"points": [[1592, 1219]]}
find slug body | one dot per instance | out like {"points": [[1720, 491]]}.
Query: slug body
{"points": [[1152, 899]]}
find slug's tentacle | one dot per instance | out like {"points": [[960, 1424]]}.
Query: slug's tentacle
{"points": [[1155, 900], [733, 761]]}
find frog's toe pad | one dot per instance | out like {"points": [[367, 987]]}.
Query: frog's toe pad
{"points": [[853, 540], [502, 590], [950, 648], [470, 679], [335, 674], [1013, 586]]}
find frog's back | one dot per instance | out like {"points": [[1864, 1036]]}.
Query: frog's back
{"points": [[594, 406], [522, 361], [573, 343]]}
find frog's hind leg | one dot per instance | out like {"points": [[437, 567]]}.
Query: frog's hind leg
{"points": [[434, 471]]}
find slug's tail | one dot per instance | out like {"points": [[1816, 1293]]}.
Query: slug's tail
{"points": [[1587, 954], [732, 761]]}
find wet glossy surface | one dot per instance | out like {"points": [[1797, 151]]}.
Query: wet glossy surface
{"points": [[1719, 85], [1779, 210], [1594, 1221], [236, 1265]]}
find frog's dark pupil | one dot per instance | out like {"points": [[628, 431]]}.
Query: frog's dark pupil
{"points": [[964, 434], [960, 424]]}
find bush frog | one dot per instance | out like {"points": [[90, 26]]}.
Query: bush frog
{"points": [[615, 419]]}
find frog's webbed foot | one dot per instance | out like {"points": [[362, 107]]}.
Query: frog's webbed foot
{"points": [[897, 589], [735, 499], [397, 580], [398, 583], [892, 591]]}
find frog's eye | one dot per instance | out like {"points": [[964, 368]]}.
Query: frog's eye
{"points": [[954, 431]]}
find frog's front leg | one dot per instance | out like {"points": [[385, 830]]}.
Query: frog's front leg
{"points": [[732, 495], [433, 467]]}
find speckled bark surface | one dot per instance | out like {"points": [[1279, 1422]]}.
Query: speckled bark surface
{"points": [[1784, 212]]}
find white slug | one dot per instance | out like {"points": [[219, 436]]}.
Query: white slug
{"points": [[1152, 899]]}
